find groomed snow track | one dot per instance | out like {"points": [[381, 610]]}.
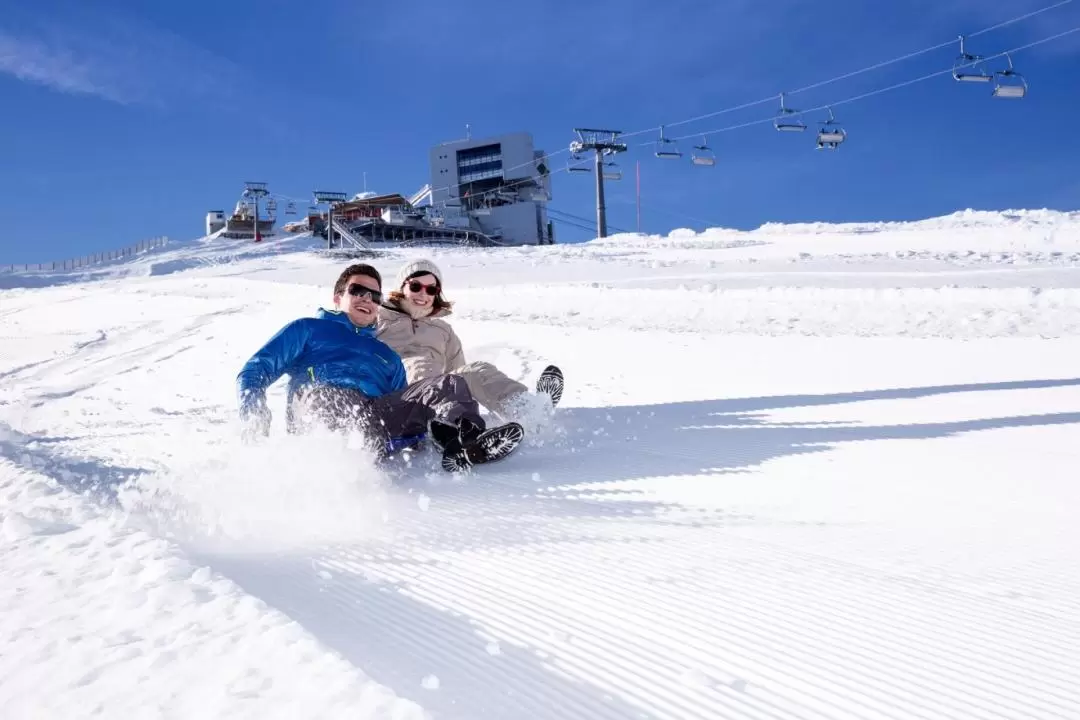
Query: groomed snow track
{"points": [[837, 489]]}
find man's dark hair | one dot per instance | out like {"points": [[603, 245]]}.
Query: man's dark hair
{"points": [[357, 269]]}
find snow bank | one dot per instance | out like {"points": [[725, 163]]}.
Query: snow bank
{"points": [[98, 618], [963, 232], [912, 312], [172, 258]]}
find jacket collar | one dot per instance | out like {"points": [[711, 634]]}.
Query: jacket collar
{"points": [[395, 306], [338, 316]]}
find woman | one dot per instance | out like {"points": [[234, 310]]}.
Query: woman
{"points": [[412, 321]]}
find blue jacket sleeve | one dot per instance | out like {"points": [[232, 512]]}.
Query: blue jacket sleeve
{"points": [[398, 381], [270, 362]]}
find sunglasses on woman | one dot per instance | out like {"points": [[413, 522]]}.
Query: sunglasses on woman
{"points": [[416, 287], [357, 290]]}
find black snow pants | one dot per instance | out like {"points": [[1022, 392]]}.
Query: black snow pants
{"points": [[395, 415]]}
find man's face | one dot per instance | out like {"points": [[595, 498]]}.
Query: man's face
{"points": [[361, 299]]}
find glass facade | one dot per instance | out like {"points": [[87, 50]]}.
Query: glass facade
{"points": [[479, 163]]}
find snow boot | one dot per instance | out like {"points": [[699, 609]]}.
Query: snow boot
{"points": [[551, 383], [443, 433], [467, 444]]}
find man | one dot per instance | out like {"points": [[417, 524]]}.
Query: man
{"points": [[343, 377]]}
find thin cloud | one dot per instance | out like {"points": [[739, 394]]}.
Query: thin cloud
{"points": [[38, 62], [119, 61]]}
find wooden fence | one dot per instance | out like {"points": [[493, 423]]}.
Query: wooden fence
{"points": [[95, 259]]}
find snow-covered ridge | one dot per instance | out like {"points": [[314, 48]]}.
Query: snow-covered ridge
{"points": [[1010, 236], [966, 231], [962, 219]]}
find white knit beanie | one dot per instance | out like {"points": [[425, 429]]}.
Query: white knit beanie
{"points": [[417, 267]]}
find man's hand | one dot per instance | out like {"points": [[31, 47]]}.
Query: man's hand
{"points": [[255, 420]]}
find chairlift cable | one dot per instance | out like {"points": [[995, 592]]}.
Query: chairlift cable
{"points": [[813, 86], [855, 98], [556, 212], [854, 73], [657, 208], [822, 83], [579, 226], [890, 88]]}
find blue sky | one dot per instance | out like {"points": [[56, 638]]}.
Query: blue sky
{"points": [[122, 120]]}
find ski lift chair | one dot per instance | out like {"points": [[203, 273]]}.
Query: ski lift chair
{"points": [[702, 155], [576, 168], [782, 124], [1009, 83], [967, 60], [667, 149], [614, 174], [830, 137]]}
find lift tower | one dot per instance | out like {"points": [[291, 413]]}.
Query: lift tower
{"points": [[601, 142], [325, 196], [256, 190]]}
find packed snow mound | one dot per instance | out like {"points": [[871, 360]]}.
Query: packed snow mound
{"points": [[961, 219], [961, 232], [177, 256]]}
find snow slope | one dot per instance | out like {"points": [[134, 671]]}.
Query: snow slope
{"points": [[800, 472]]}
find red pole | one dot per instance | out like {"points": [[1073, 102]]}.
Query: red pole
{"points": [[638, 174]]}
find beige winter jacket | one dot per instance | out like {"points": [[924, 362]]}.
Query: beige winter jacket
{"points": [[428, 346]]}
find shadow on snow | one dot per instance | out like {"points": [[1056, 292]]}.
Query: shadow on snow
{"points": [[398, 639]]}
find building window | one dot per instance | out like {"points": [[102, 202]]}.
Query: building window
{"points": [[479, 171], [486, 155], [479, 159], [480, 163], [473, 177]]}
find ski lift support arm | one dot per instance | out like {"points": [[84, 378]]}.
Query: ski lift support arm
{"points": [[255, 189], [323, 196], [601, 142]]}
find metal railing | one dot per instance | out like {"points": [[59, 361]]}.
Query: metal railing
{"points": [[88, 260], [343, 231]]}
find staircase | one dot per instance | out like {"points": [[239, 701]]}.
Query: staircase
{"points": [[421, 195], [348, 235]]}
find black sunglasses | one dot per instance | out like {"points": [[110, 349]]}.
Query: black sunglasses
{"points": [[357, 290], [415, 286]]}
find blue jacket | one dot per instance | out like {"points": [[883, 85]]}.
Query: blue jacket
{"points": [[324, 350]]}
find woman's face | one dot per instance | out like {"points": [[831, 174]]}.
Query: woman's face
{"points": [[421, 290]]}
